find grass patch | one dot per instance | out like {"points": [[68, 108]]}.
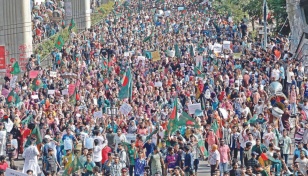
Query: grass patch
{"points": [[47, 46]]}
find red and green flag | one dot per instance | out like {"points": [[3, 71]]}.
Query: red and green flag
{"points": [[72, 25], [214, 126], [73, 167], [37, 84], [202, 148], [198, 71], [13, 99], [16, 69], [27, 120], [35, 133], [59, 42], [73, 98], [126, 85]]}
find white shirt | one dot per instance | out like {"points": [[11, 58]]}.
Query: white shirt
{"points": [[97, 153], [289, 74], [275, 74]]}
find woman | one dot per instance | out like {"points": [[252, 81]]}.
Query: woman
{"points": [[132, 128], [292, 99], [142, 129]]}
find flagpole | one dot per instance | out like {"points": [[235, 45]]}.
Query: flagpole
{"points": [[265, 21]]}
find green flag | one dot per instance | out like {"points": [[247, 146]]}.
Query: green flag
{"points": [[214, 126], [36, 134], [253, 119], [191, 51], [177, 51], [27, 120], [16, 69], [148, 54], [13, 99], [74, 166], [151, 134], [198, 71], [59, 43], [125, 87], [148, 37], [37, 84], [73, 97], [72, 25], [186, 120], [202, 148]]}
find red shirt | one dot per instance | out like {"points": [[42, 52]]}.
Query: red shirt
{"points": [[105, 152], [4, 166]]}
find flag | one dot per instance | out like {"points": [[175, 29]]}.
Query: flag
{"points": [[253, 119], [148, 54], [13, 99], [191, 51], [36, 134], [151, 134], [174, 112], [202, 148], [63, 24], [73, 97], [148, 37], [72, 25], [186, 120], [16, 69], [27, 120], [125, 87], [198, 92], [59, 43], [198, 71], [214, 126], [177, 51], [73, 167], [37, 84], [105, 64]]}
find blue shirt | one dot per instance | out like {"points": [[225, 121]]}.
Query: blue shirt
{"points": [[297, 152], [188, 161], [139, 166], [149, 148]]}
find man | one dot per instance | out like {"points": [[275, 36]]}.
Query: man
{"points": [[149, 146], [118, 139], [225, 157], [88, 166], [83, 157], [214, 159], [156, 162], [247, 153], [132, 152], [260, 170], [303, 163], [298, 150], [252, 162], [107, 164], [285, 146], [258, 148], [233, 142], [50, 163], [188, 161], [269, 136], [277, 165], [116, 166], [31, 162], [235, 171], [122, 155]]}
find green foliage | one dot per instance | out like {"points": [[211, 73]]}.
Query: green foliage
{"points": [[278, 7], [254, 8], [47, 46], [231, 7]]}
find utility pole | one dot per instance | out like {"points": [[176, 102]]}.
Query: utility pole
{"points": [[264, 22]]}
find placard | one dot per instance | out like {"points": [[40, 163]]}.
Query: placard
{"points": [[89, 143], [11, 172], [158, 84], [33, 73], [130, 137], [141, 58], [98, 114], [13, 81], [125, 108], [68, 144], [193, 107], [126, 54], [65, 92], [226, 45], [167, 13], [53, 74], [155, 55], [34, 97], [237, 55], [5, 92], [217, 48], [51, 92], [180, 8], [82, 107]]}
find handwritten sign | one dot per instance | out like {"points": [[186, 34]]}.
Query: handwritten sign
{"points": [[89, 143], [71, 89], [158, 84], [13, 82], [226, 45], [125, 109], [51, 92], [53, 74], [65, 92], [33, 73], [11, 172], [68, 144], [193, 107], [155, 56], [98, 114], [130, 137]]}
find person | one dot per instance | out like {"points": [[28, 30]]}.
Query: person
{"points": [[156, 162], [235, 171], [276, 165], [97, 153], [50, 163], [3, 164], [149, 147], [2, 139], [285, 146], [116, 166], [140, 164], [188, 161], [302, 162], [225, 157], [252, 162], [11, 149], [29, 172], [258, 148], [122, 155], [107, 164], [31, 161], [88, 166], [214, 159], [171, 160]]}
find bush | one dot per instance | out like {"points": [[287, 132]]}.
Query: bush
{"points": [[47, 46]]}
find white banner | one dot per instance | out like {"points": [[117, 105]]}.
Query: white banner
{"points": [[125, 108], [130, 137], [13, 82], [11, 172], [98, 114], [193, 107], [226, 45]]}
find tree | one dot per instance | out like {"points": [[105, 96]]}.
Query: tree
{"points": [[278, 7], [254, 10]]}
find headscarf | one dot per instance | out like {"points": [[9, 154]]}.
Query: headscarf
{"points": [[214, 147], [132, 128]]}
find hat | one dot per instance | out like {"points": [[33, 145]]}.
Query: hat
{"points": [[198, 112]]}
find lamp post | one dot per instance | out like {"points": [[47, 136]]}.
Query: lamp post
{"points": [[264, 22], [112, 111]]}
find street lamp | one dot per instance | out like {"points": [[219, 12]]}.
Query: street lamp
{"points": [[112, 111]]}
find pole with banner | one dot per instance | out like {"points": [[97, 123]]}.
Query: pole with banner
{"points": [[265, 11]]}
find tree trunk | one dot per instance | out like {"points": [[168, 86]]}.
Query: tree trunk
{"points": [[253, 24]]}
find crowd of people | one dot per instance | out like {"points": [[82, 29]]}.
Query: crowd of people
{"points": [[155, 88]]}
